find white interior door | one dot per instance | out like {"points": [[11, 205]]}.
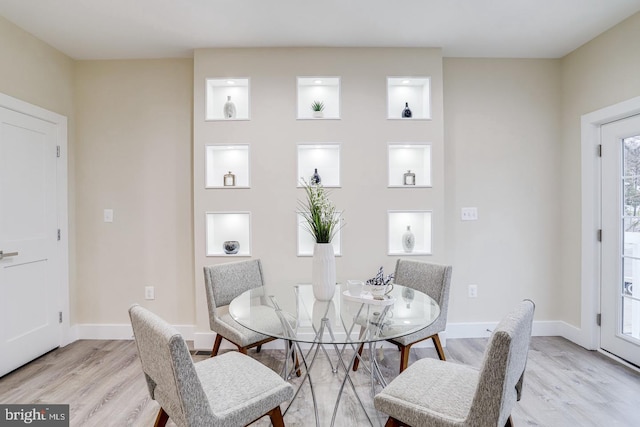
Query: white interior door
{"points": [[620, 282], [29, 298]]}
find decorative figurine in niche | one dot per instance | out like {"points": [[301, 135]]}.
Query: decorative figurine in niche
{"points": [[315, 178], [408, 240], [231, 247], [229, 180], [229, 109], [317, 107], [409, 178], [406, 113]]}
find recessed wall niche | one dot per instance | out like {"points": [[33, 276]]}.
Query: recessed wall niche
{"points": [[409, 233], [227, 99], [409, 164], [223, 229], [227, 166], [306, 242], [323, 157], [322, 90], [413, 93]]}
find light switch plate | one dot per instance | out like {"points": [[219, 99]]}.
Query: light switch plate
{"points": [[469, 214]]}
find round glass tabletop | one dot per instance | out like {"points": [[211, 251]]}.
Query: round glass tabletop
{"points": [[294, 314]]}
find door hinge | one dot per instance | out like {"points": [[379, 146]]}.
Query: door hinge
{"points": [[57, 151], [598, 319], [59, 317], [600, 150], [58, 234], [600, 235]]}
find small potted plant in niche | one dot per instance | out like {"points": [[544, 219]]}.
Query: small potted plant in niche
{"points": [[322, 220], [318, 108]]}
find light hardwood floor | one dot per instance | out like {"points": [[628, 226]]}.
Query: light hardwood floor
{"points": [[565, 385]]}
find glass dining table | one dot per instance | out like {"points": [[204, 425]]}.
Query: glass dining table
{"points": [[293, 314]]}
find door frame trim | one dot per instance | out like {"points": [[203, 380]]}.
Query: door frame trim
{"points": [[591, 218], [65, 335]]}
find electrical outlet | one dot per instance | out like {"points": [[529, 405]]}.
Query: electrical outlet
{"points": [[469, 214], [108, 215], [473, 291], [149, 292]]}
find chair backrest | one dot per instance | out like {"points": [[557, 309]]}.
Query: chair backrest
{"points": [[432, 279], [169, 370], [224, 282], [502, 372]]}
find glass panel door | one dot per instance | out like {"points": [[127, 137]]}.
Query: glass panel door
{"points": [[620, 299]]}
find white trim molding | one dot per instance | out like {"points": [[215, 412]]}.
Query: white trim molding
{"points": [[119, 331]]}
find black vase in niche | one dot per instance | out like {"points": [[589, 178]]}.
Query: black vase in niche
{"points": [[231, 247], [406, 113], [315, 178]]}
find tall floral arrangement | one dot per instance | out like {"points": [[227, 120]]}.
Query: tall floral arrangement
{"points": [[322, 219]]}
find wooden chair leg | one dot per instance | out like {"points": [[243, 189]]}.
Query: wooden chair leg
{"points": [[294, 357], [161, 419], [258, 348], [357, 361], [216, 345], [392, 422], [404, 357], [439, 349], [509, 422], [242, 350], [276, 417]]}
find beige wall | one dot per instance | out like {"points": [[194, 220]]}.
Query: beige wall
{"points": [[273, 133], [502, 156], [134, 156], [34, 72], [601, 73], [511, 147]]}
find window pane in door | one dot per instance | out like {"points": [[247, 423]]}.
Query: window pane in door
{"points": [[630, 300]]}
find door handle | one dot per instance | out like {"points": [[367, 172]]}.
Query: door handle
{"points": [[8, 254]]}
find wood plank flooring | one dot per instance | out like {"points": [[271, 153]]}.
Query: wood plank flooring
{"points": [[102, 381]]}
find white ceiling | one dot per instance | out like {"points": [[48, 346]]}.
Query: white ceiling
{"points": [[110, 29]]}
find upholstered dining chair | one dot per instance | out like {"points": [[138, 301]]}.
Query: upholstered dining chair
{"points": [[438, 393], [433, 280], [224, 282], [229, 390]]}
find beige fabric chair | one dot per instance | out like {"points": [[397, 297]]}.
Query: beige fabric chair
{"points": [[437, 393], [228, 390], [433, 280]]}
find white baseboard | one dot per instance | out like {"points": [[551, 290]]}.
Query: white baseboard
{"points": [[204, 340], [96, 331]]}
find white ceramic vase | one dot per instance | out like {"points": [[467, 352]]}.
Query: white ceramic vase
{"points": [[323, 271]]}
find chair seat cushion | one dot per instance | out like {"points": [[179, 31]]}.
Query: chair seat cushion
{"points": [[226, 326], [240, 389], [426, 385]]}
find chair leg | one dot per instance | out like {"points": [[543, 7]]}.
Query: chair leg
{"points": [[258, 348], [216, 345], [392, 422], [509, 422], [404, 357], [357, 361], [294, 357], [439, 349], [276, 417], [161, 419]]}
